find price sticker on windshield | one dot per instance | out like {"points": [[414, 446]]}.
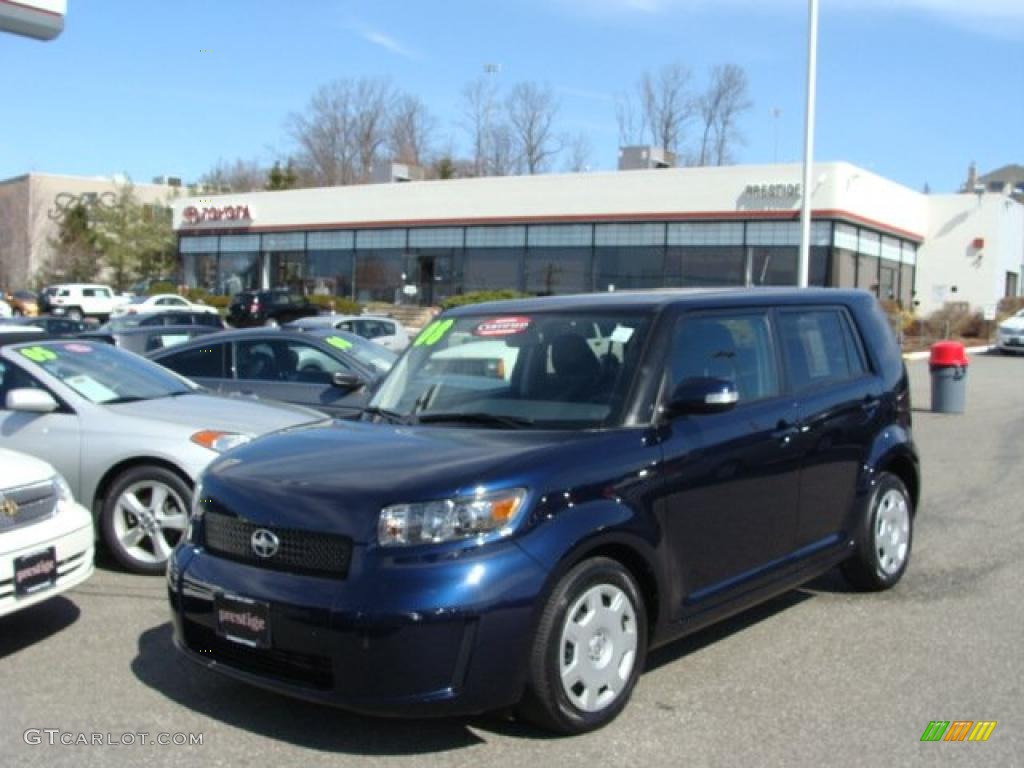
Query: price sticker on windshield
{"points": [[79, 348], [39, 354], [502, 326], [340, 343]]}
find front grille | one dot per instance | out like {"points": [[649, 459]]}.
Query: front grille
{"points": [[288, 666], [299, 551], [33, 503]]}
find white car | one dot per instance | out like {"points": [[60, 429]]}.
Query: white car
{"points": [[381, 330], [46, 538], [1010, 337], [5, 309], [161, 302], [80, 300]]}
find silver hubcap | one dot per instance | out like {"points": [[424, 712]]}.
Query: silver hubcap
{"points": [[892, 532], [598, 647], [149, 519]]}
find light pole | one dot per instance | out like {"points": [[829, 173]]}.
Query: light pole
{"points": [[803, 267]]}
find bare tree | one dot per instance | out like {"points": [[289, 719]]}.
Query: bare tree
{"points": [[531, 111], [411, 131], [631, 122], [579, 151], [479, 99], [341, 133], [729, 90], [500, 153], [667, 104], [720, 107], [238, 176]]}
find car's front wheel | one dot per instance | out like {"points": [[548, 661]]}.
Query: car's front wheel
{"points": [[589, 649], [74, 314], [884, 537], [144, 516]]}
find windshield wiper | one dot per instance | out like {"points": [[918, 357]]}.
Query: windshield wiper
{"points": [[392, 416], [476, 417], [126, 399]]}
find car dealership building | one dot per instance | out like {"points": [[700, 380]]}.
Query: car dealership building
{"points": [[422, 241]]}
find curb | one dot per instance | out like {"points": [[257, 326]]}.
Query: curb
{"points": [[924, 355]]}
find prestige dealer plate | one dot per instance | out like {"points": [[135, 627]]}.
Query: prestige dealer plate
{"points": [[36, 572], [242, 620]]}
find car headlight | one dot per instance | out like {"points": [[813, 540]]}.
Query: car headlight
{"points": [[450, 519], [219, 441], [62, 489]]}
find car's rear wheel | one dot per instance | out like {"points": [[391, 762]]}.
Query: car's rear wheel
{"points": [[144, 516], [884, 537], [74, 314], [589, 649]]}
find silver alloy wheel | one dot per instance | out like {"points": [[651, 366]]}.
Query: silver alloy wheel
{"points": [[598, 647], [892, 531], [143, 516]]}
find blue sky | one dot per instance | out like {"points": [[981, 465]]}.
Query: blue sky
{"points": [[912, 89]]}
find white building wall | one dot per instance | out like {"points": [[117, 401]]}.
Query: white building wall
{"points": [[949, 266]]}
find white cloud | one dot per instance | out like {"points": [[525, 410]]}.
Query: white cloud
{"points": [[387, 42]]}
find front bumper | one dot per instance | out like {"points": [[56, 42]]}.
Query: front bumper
{"points": [[70, 532], [394, 638], [1010, 342]]}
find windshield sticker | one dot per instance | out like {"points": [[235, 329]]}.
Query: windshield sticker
{"points": [[90, 389], [433, 333], [502, 326], [622, 334], [81, 348], [39, 354], [340, 343]]}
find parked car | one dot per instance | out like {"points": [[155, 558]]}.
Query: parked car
{"points": [[148, 338], [44, 299], [80, 300], [128, 435], [381, 330], [331, 371], [162, 302], [1010, 336], [46, 538], [162, 318], [23, 303], [5, 309], [54, 326], [532, 537], [271, 308]]}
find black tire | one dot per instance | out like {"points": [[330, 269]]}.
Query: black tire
{"points": [[74, 314], [17, 312], [547, 702], [873, 566], [112, 521]]}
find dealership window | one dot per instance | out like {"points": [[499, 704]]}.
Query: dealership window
{"points": [[558, 270], [201, 271], [492, 269], [629, 256], [238, 272], [706, 266], [560, 235], [330, 263], [774, 265], [706, 233], [380, 261]]}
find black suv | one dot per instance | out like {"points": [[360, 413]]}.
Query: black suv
{"points": [[638, 466], [273, 308]]}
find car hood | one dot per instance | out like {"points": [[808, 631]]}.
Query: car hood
{"points": [[18, 469], [1013, 324], [201, 410], [337, 478]]}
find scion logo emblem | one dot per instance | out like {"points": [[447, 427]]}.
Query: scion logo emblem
{"points": [[8, 507], [264, 543]]}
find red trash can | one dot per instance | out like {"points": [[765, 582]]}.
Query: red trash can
{"points": [[948, 366]]}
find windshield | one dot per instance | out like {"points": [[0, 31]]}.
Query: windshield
{"points": [[542, 370], [366, 352], [104, 374]]}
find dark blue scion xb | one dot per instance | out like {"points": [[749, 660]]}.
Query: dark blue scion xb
{"points": [[543, 490]]}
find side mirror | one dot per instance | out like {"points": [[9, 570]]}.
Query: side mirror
{"points": [[347, 380], [30, 400], [703, 395]]}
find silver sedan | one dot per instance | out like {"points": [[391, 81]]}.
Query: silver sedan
{"points": [[129, 436]]}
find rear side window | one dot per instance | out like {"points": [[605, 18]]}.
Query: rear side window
{"points": [[207, 318], [820, 348], [203, 362], [737, 348]]}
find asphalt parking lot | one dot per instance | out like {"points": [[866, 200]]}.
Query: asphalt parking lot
{"points": [[820, 676]]}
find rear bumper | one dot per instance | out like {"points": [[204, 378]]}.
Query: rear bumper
{"points": [[424, 639], [70, 532]]}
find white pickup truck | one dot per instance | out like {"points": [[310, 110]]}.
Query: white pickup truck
{"points": [[80, 300]]}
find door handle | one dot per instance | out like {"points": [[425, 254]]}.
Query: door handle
{"points": [[870, 404], [785, 431]]}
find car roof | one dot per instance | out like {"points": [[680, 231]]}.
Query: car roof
{"points": [[660, 298], [137, 330], [22, 335]]}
